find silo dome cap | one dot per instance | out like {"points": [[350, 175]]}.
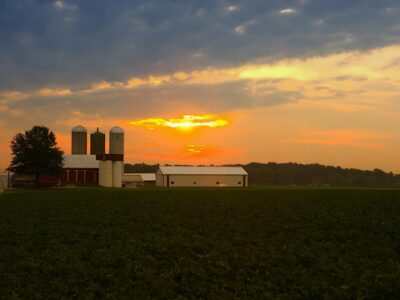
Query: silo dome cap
{"points": [[79, 128], [116, 129]]}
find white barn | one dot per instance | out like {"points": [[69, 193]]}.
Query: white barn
{"points": [[168, 176], [134, 180]]}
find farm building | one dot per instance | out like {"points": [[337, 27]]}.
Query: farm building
{"points": [[168, 176], [4, 180], [133, 180], [80, 169]]}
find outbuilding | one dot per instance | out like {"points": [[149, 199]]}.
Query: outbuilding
{"points": [[182, 176], [80, 169], [134, 180]]}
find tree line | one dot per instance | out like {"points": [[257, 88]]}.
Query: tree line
{"points": [[300, 174]]}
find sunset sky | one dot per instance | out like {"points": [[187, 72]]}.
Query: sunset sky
{"points": [[208, 82]]}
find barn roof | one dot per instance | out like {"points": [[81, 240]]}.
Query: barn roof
{"points": [[80, 162], [178, 170], [143, 176], [148, 176]]}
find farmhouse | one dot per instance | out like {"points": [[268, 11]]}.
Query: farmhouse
{"points": [[168, 176]]}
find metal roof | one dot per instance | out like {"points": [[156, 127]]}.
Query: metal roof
{"points": [[79, 128], [116, 129], [177, 170], [80, 162], [128, 178], [144, 176]]}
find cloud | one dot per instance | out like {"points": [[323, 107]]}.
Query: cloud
{"points": [[288, 11], [355, 68], [200, 150], [344, 82], [54, 92], [62, 5], [191, 154], [102, 41], [12, 96], [186, 122], [232, 8], [241, 29]]}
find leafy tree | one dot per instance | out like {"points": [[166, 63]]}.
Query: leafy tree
{"points": [[35, 152]]}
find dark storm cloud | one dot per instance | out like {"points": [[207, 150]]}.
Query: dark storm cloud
{"points": [[75, 43]]}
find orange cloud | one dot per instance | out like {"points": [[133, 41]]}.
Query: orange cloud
{"points": [[54, 92], [199, 150], [378, 64], [12, 96], [186, 122], [189, 154]]}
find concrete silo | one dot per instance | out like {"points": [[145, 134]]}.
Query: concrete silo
{"points": [[97, 142], [111, 165], [116, 140], [79, 140], [117, 171], [117, 147], [106, 173]]}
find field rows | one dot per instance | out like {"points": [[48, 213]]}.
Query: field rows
{"points": [[204, 243]]}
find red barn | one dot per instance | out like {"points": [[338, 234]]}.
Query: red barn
{"points": [[80, 169]]}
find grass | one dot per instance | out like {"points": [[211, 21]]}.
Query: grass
{"points": [[256, 243]]}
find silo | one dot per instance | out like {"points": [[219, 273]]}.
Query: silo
{"points": [[116, 140], [79, 140], [97, 142], [117, 173], [105, 173]]}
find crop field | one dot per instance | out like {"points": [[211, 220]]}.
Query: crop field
{"points": [[256, 243]]}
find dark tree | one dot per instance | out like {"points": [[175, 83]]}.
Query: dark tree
{"points": [[35, 152]]}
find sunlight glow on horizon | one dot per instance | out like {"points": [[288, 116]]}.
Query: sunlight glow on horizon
{"points": [[186, 122], [200, 150]]}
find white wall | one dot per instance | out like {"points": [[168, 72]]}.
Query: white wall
{"points": [[201, 180], [127, 178], [117, 174], [106, 173], [160, 179]]}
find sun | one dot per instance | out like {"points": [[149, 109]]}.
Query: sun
{"points": [[183, 123]]}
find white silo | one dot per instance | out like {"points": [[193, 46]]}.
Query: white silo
{"points": [[117, 173], [105, 173], [116, 140], [79, 140], [117, 147]]}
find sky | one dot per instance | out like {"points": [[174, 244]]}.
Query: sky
{"points": [[208, 82]]}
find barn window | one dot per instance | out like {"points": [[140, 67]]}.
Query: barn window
{"points": [[172, 182], [194, 182], [239, 182], [217, 182]]}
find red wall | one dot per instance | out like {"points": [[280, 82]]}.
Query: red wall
{"points": [[79, 176], [75, 176], [48, 181]]}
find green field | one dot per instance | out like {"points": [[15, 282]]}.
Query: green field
{"points": [[200, 243]]}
